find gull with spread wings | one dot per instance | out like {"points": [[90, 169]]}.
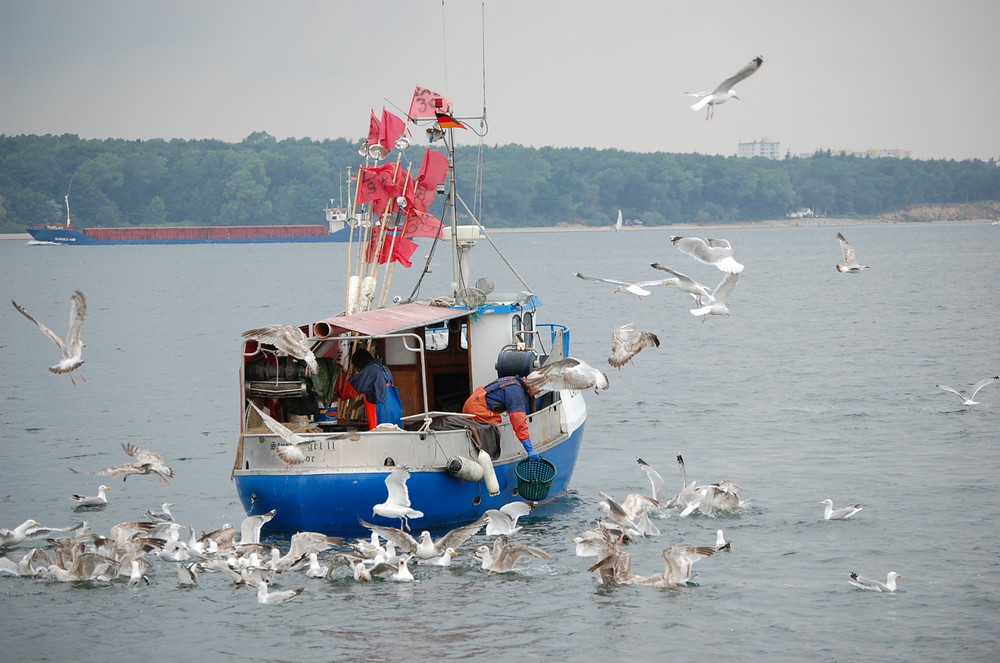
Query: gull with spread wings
{"points": [[146, 462], [291, 453], [568, 373], [627, 342], [850, 265], [724, 91], [638, 288], [72, 347], [288, 340]]}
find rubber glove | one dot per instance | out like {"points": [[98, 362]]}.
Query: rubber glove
{"points": [[532, 454]]}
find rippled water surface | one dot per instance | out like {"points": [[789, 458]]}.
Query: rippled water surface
{"points": [[820, 385]]}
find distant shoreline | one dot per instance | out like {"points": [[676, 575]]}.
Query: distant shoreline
{"points": [[774, 223]]}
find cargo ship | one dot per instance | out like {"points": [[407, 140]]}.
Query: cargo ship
{"points": [[337, 229]]}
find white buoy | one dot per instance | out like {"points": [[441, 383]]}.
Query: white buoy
{"points": [[353, 290], [466, 469], [489, 475]]}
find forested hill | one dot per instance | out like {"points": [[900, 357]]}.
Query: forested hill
{"points": [[262, 180]]}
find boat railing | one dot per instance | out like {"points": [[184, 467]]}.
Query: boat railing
{"points": [[558, 341]]}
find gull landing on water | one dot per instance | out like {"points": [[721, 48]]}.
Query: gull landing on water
{"points": [[397, 504], [969, 400], [850, 265], [724, 91], [72, 347]]}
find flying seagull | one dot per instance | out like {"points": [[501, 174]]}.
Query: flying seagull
{"points": [[288, 340], [72, 347], [291, 453], [568, 373], [397, 504], [850, 265], [717, 252], [721, 294], [627, 342], [969, 400], [685, 283], [146, 462], [638, 288], [888, 586], [724, 91]]}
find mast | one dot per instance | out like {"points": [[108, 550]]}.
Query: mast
{"points": [[69, 222]]}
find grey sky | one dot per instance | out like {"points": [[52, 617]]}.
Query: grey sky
{"points": [[918, 75]]}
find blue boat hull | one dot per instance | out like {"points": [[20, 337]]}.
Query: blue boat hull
{"points": [[333, 503], [75, 237]]}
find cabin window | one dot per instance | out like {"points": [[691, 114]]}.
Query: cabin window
{"points": [[529, 329], [437, 339]]}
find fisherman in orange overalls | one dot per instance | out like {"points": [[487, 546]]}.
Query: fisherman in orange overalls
{"points": [[506, 394]]}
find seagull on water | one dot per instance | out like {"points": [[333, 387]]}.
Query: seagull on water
{"points": [[12, 537], [72, 346], [969, 400], [146, 462], [504, 520], [273, 598], [502, 557], [850, 265], [251, 526], [627, 342], [721, 294], [685, 283], [286, 339], [568, 373], [425, 547], [291, 453], [888, 586], [716, 252], [397, 504], [829, 513], [724, 91], [638, 288], [101, 499]]}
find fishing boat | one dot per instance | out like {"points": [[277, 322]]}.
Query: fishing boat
{"points": [[438, 349], [337, 229]]}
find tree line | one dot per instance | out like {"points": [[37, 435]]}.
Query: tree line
{"points": [[261, 180]]}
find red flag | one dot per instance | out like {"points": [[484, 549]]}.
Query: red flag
{"points": [[374, 128], [448, 122], [425, 103], [378, 182], [392, 128], [421, 224], [394, 248], [433, 171]]}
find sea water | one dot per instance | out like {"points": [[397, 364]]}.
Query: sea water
{"points": [[819, 385]]}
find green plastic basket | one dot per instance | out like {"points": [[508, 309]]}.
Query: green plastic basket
{"points": [[534, 478]]}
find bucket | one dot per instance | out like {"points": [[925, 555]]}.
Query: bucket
{"points": [[534, 478]]}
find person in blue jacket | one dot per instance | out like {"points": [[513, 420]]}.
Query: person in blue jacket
{"points": [[507, 394]]}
